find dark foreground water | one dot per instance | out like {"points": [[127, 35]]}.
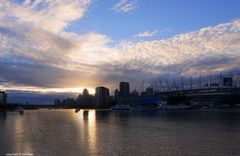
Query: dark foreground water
{"points": [[66, 133]]}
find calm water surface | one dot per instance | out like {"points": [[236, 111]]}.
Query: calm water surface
{"points": [[66, 133]]}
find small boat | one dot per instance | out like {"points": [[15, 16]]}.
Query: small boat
{"points": [[121, 107], [20, 110], [77, 110]]}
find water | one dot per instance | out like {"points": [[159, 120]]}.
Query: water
{"points": [[66, 133]]}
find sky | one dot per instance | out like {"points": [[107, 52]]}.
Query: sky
{"points": [[58, 46]]}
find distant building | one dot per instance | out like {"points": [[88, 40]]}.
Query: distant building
{"points": [[111, 101], [3, 97], [102, 97], [143, 93], [124, 89], [85, 92], [85, 100], [57, 102], [149, 91], [116, 94], [134, 93], [68, 102]]}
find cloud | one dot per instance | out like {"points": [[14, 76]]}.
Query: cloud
{"points": [[213, 49], [125, 5], [33, 57], [49, 15], [147, 34]]}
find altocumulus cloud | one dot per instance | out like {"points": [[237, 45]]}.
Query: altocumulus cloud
{"points": [[50, 15], [36, 51], [147, 34], [125, 6]]}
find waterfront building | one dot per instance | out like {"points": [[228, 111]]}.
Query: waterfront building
{"points": [[116, 94], [85, 100], [3, 97], [85, 92], [102, 97], [111, 101], [124, 89]]}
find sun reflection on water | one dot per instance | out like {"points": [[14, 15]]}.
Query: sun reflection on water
{"points": [[87, 119], [21, 144]]}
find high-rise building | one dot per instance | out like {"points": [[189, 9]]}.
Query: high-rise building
{"points": [[116, 94], [124, 89], [85, 92], [3, 97], [101, 96], [85, 100]]}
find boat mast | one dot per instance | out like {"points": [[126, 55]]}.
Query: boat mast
{"points": [[190, 82], [168, 88], [174, 84], [200, 81], [210, 80], [182, 83], [220, 80]]}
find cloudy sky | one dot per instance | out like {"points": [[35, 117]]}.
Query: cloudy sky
{"points": [[67, 45]]}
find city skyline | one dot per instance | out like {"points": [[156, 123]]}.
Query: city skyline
{"points": [[66, 46]]}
